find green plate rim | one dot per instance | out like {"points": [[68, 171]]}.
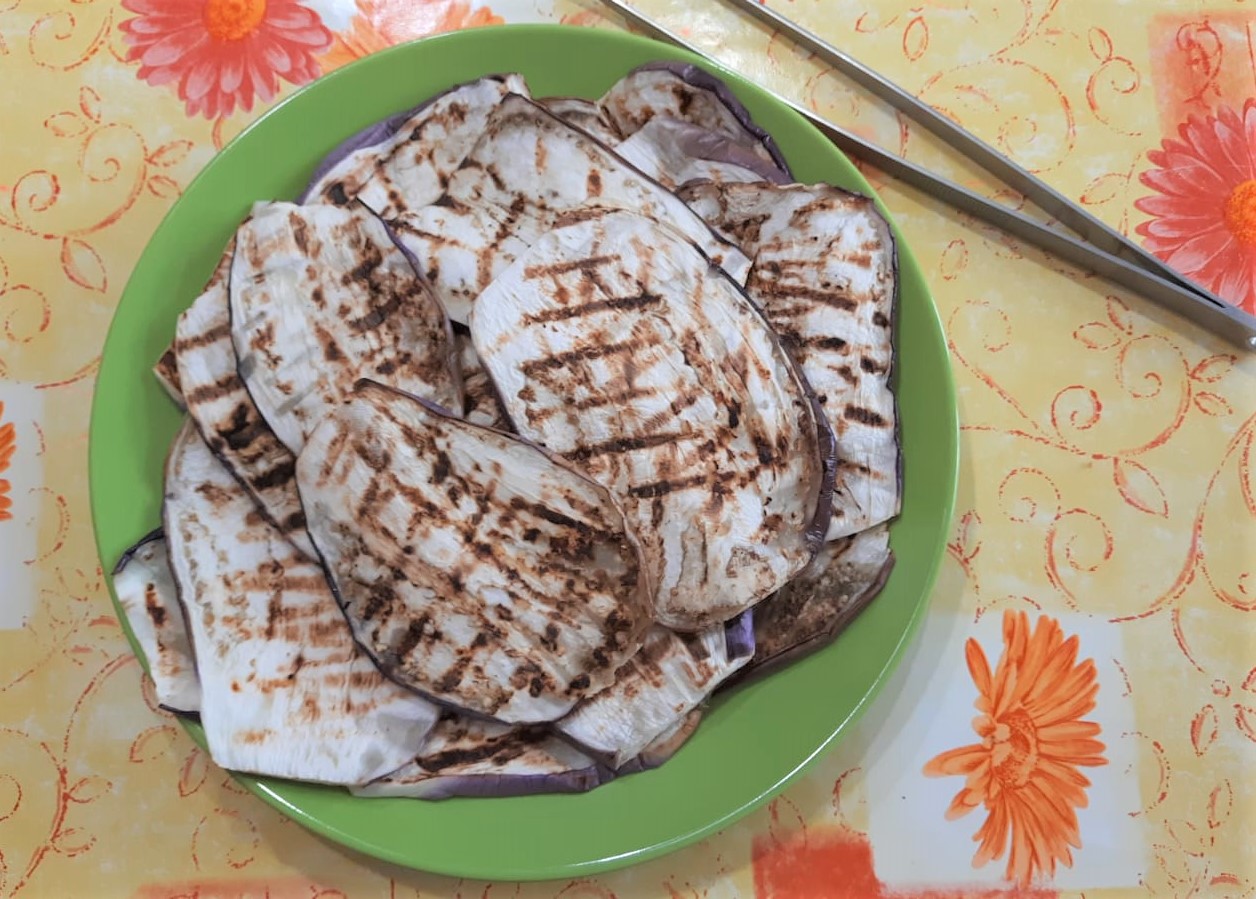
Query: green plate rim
{"points": [[946, 465]]}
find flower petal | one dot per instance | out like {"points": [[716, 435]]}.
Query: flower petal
{"points": [[956, 761], [175, 46]]}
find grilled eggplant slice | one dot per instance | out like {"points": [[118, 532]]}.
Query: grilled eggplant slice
{"points": [[585, 115], [166, 371], [810, 611], [226, 415], [474, 567], [664, 746], [402, 163], [465, 756], [529, 173], [673, 152], [653, 693], [482, 405], [825, 273], [615, 343], [145, 587], [285, 690], [321, 297], [686, 92]]}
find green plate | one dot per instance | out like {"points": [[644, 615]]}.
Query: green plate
{"points": [[755, 740]]}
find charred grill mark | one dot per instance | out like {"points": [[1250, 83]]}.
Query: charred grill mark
{"points": [[610, 304], [336, 194], [863, 416], [879, 319], [558, 269], [626, 444], [824, 297], [300, 232], [535, 367], [504, 748], [871, 366], [207, 393], [205, 338], [153, 606], [847, 375], [662, 488], [593, 184]]}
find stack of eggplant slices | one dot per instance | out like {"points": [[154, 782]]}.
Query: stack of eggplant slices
{"points": [[532, 424]]}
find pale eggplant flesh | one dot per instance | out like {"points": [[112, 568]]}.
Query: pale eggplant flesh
{"points": [[825, 274], [531, 172], [285, 690], [688, 93], [321, 297], [145, 588], [661, 749], [584, 114], [813, 609], [653, 694], [615, 343], [466, 756], [673, 152], [224, 411], [474, 567], [404, 162]]}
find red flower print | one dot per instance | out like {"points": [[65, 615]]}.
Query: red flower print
{"points": [[223, 52], [1204, 213], [1025, 769], [8, 445]]}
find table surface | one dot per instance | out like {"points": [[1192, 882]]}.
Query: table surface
{"points": [[1107, 505]]}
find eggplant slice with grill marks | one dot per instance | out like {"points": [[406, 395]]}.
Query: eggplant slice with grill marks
{"points": [[654, 693], [474, 567], [690, 94], [285, 689], [529, 173], [145, 587], [615, 343], [403, 162], [166, 371], [226, 415], [320, 297], [465, 756], [585, 115], [810, 611], [664, 746], [825, 274], [673, 152]]}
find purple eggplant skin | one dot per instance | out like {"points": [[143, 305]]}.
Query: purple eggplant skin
{"points": [[703, 144], [501, 786], [739, 635], [700, 78], [370, 136], [767, 661], [367, 137]]}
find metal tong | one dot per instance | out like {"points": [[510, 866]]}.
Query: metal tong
{"points": [[1096, 248]]}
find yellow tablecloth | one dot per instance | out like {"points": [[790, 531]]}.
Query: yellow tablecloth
{"points": [[1108, 487]]}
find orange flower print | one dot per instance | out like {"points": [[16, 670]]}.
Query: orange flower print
{"points": [[8, 445], [1033, 741], [220, 53], [379, 24]]}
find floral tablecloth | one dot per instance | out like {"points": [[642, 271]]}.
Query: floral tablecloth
{"points": [[1078, 715]]}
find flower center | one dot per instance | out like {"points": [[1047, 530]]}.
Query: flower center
{"points": [[231, 20], [1240, 213], [1015, 749]]}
